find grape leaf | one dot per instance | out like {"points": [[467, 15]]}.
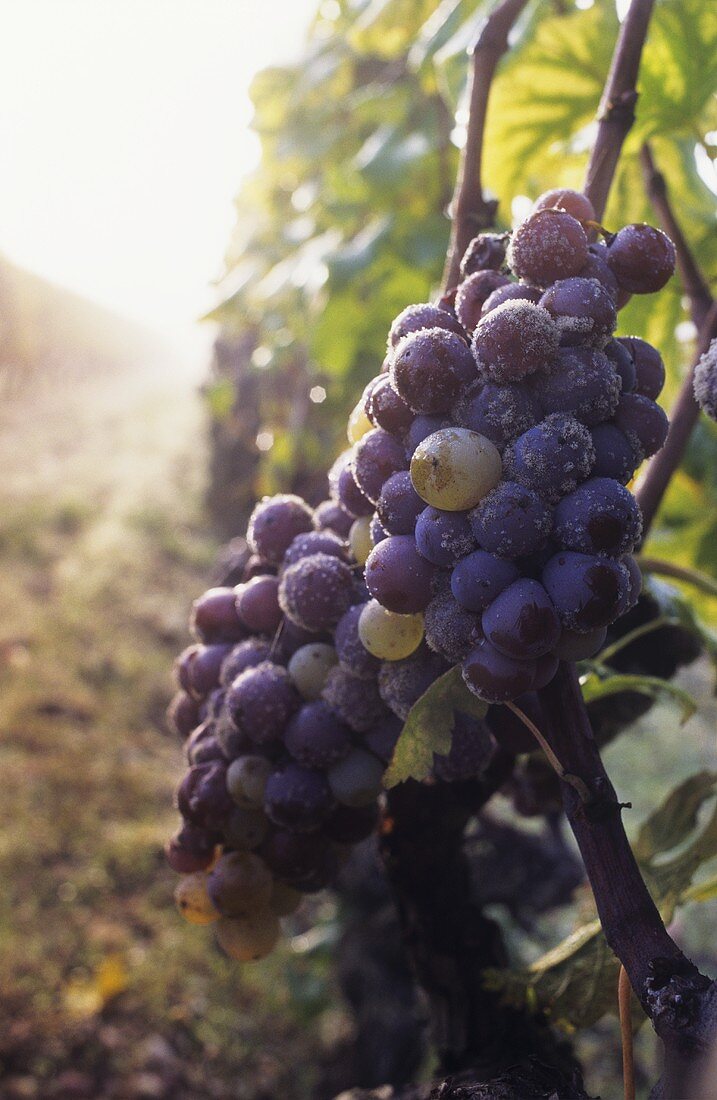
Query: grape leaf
{"points": [[672, 822], [429, 727]]}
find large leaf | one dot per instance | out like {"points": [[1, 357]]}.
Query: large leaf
{"points": [[429, 727], [603, 682]]}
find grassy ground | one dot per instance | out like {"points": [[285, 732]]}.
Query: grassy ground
{"points": [[105, 991]]}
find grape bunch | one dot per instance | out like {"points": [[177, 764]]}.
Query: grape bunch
{"points": [[487, 478], [289, 725]]}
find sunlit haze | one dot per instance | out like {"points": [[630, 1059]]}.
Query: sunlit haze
{"points": [[124, 134]]}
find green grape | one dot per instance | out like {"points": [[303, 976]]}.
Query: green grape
{"points": [[360, 543], [284, 899], [356, 780], [358, 424], [239, 884], [192, 899], [454, 468], [310, 666], [387, 635], [246, 780], [249, 938]]}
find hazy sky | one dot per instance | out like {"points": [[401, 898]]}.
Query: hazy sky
{"points": [[123, 137]]}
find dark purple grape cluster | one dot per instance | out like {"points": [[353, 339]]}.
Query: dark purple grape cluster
{"points": [[488, 474], [287, 734]]}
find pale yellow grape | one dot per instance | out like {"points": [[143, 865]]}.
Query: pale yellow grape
{"points": [[240, 884], [192, 899], [250, 938], [310, 666], [455, 468], [359, 424], [246, 780], [284, 899], [360, 543], [388, 635]]}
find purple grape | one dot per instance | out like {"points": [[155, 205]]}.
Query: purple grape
{"points": [[381, 739], [421, 428], [513, 341], [349, 496], [572, 202], [552, 458], [397, 576], [292, 637], [183, 714], [191, 849], [199, 667], [275, 522], [472, 745], [579, 647], [258, 604], [330, 516], [430, 368], [621, 359], [587, 591], [351, 653], [378, 455], [545, 669], [402, 683], [315, 591], [399, 505], [315, 542], [500, 413], [256, 566], [203, 746], [472, 294], [494, 677], [451, 631], [596, 267], [479, 578], [419, 317], [215, 617], [521, 622], [306, 861], [549, 245], [648, 366], [443, 538], [582, 310], [644, 423], [600, 516], [615, 456], [261, 701], [511, 292], [385, 409], [634, 575], [641, 258], [581, 382], [248, 654], [297, 798], [485, 252], [356, 701], [202, 796], [511, 521], [377, 532], [316, 737]]}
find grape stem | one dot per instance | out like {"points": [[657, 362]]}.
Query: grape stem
{"points": [[685, 414], [552, 759], [616, 112], [470, 210]]}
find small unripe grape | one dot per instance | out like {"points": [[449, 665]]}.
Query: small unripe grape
{"points": [[246, 780], [251, 938], [193, 901], [358, 423], [455, 468], [388, 635], [310, 666], [360, 541], [356, 780]]}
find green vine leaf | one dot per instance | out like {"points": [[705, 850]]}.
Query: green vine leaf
{"points": [[596, 687], [429, 727]]}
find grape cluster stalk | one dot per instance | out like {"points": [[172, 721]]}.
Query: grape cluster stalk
{"points": [[481, 517]]}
